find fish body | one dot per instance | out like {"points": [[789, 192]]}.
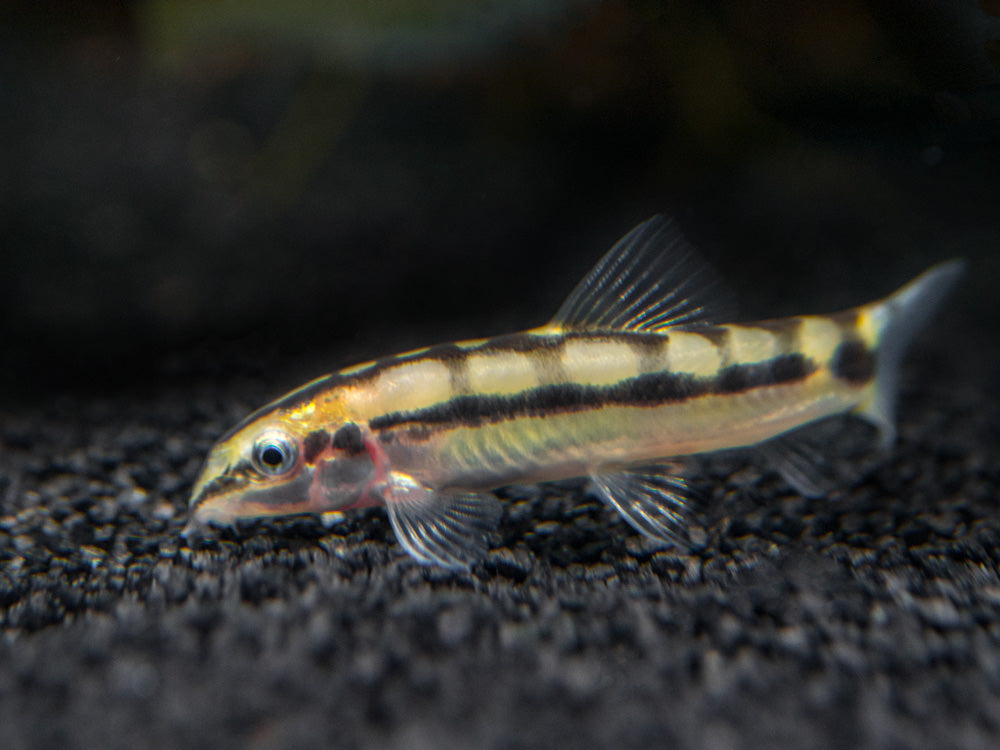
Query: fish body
{"points": [[634, 370]]}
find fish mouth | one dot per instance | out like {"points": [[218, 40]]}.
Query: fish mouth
{"points": [[208, 507], [215, 494], [225, 499], [216, 475], [229, 511], [215, 499]]}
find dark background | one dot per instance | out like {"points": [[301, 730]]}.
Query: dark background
{"points": [[194, 186], [204, 204]]}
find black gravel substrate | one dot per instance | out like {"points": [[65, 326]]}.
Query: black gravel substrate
{"points": [[205, 204], [868, 619]]}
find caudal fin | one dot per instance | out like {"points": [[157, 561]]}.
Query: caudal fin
{"points": [[901, 316]]}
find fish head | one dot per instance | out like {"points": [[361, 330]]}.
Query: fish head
{"points": [[273, 466], [254, 472]]}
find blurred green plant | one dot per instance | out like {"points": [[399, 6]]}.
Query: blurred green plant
{"points": [[380, 35]]}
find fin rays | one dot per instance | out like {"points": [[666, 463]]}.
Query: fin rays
{"points": [[654, 500], [444, 528], [650, 280], [904, 315], [800, 464]]}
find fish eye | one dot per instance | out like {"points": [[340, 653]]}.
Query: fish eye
{"points": [[274, 453]]}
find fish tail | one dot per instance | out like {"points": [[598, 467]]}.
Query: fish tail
{"points": [[897, 320]]}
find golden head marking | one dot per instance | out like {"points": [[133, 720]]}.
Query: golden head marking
{"points": [[280, 462]]}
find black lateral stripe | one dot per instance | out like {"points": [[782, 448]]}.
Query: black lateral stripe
{"points": [[455, 356], [452, 356], [784, 368], [644, 390], [652, 348], [854, 362]]}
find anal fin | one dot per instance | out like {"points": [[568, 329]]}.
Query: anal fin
{"points": [[440, 527], [655, 501], [800, 465]]}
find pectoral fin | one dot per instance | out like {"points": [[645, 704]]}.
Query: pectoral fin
{"points": [[440, 527], [655, 501]]}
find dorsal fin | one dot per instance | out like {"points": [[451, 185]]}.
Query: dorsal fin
{"points": [[651, 279]]}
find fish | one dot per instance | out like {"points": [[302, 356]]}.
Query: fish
{"points": [[637, 370]]}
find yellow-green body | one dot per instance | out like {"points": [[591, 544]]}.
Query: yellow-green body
{"points": [[553, 442]]}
